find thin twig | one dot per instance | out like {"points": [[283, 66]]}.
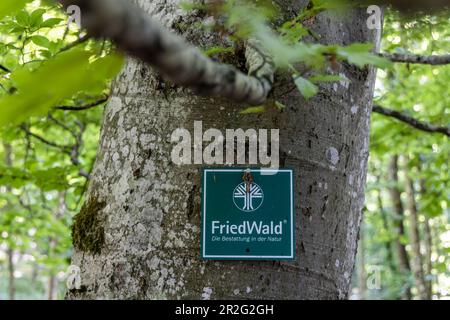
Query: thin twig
{"points": [[2, 67], [420, 125], [412, 58], [43, 140], [75, 43], [80, 108]]}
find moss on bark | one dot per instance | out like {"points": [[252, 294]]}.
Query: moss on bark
{"points": [[88, 233]]}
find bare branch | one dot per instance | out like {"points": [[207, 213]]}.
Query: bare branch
{"points": [[43, 140], [410, 6], [62, 125], [84, 174], [80, 108], [2, 67], [141, 36], [74, 153], [411, 58], [424, 126], [71, 150], [75, 43]]}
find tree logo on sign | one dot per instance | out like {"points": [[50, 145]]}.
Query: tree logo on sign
{"points": [[248, 198]]}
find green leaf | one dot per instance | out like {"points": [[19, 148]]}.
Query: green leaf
{"points": [[47, 179], [293, 31], [16, 28], [41, 41], [23, 18], [249, 110], [60, 78], [36, 17], [306, 87], [8, 7], [327, 78], [13, 177], [359, 54], [46, 53], [50, 179], [50, 23], [329, 4], [217, 49], [189, 6], [100, 71], [279, 106]]}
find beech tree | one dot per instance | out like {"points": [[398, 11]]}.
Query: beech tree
{"points": [[306, 68], [137, 235]]}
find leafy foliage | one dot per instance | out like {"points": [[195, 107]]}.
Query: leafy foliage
{"points": [[290, 45], [10, 6], [46, 154], [38, 91], [420, 91]]}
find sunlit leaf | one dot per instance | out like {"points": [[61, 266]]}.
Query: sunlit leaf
{"points": [[327, 78], [359, 54], [41, 41], [249, 110], [8, 7], [60, 78], [50, 23], [306, 87]]}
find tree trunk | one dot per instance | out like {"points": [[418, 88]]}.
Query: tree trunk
{"points": [[51, 287], [52, 280], [416, 263], [386, 225], [435, 232], [10, 251], [403, 261], [428, 245], [34, 276], [11, 279], [362, 276], [137, 235], [428, 266]]}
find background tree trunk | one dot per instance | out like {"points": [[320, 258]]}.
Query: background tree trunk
{"points": [[137, 235], [428, 245], [11, 279], [10, 251], [51, 287], [428, 266], [416, 264], [402, 255], [387, 227]]}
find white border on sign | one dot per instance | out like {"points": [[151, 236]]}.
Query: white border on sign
{"points": [[291, 256]]}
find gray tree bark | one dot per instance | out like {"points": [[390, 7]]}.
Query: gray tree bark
{"points": [[362, 275], [137, 235]]}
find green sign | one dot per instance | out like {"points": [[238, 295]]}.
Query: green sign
{"points": [[248, 214]]}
